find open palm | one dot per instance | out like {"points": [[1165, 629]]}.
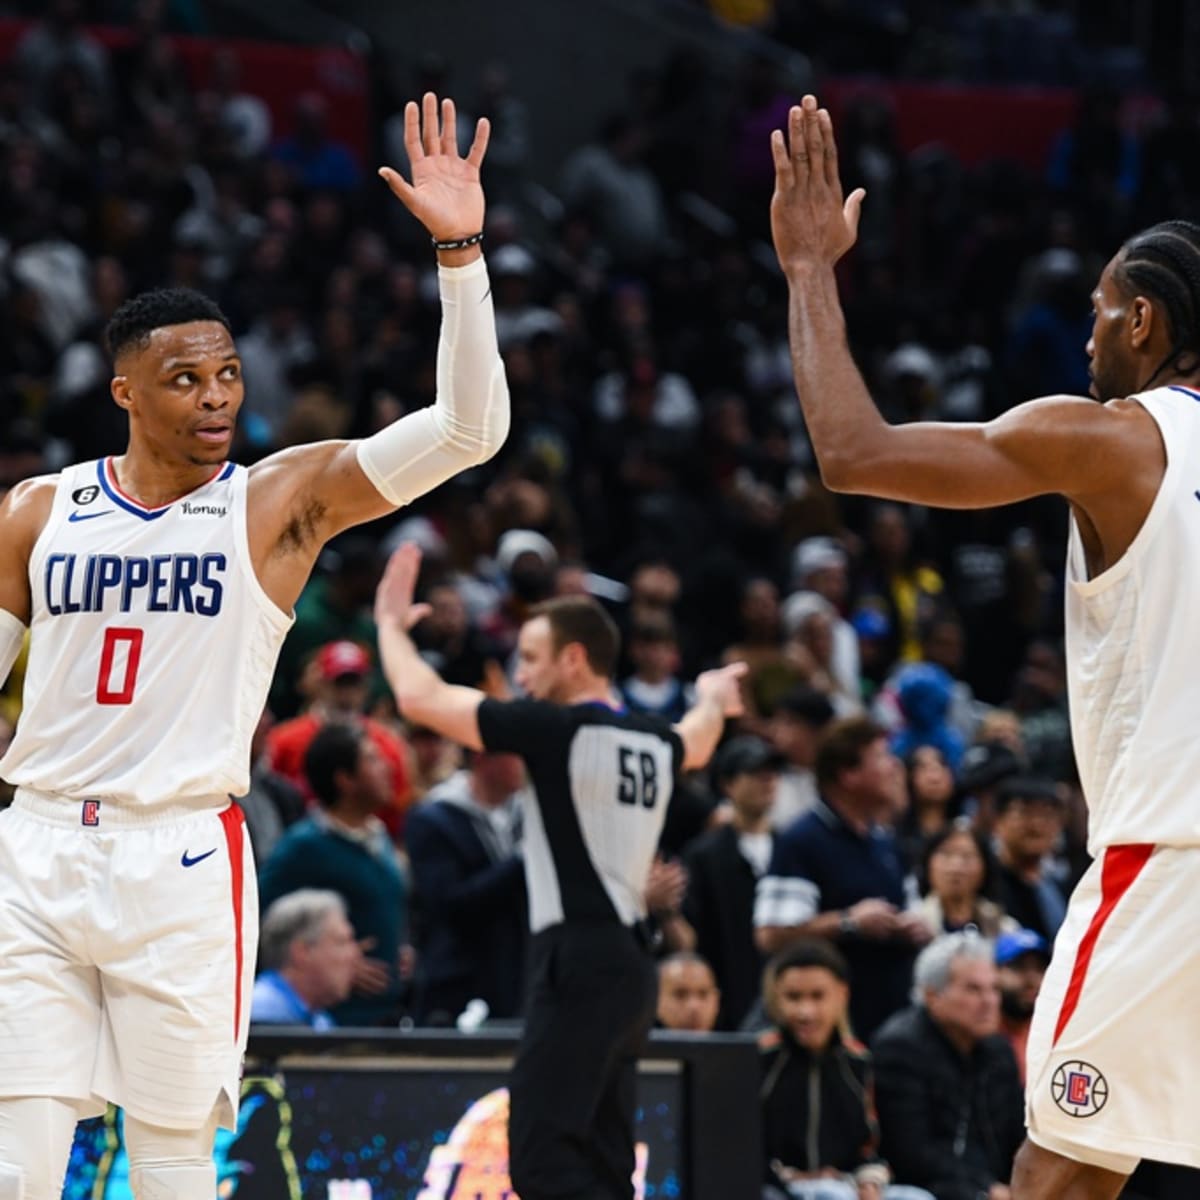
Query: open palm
{"points": [[445, 194]]}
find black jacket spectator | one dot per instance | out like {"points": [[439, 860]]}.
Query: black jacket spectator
{"points": [[817, 1102], [949, 1123], [471, 909]]}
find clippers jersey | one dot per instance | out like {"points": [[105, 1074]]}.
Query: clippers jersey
{"points": [[152, 645], [1133, 645]]}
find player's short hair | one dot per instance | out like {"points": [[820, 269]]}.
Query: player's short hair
{"points": [[1163, 263], [581, 619], [298, 916], [842, 745], [335, 747], [133, 323]]}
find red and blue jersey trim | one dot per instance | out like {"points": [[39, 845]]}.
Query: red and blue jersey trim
{"points": [[107, 477], [1187, 391]]}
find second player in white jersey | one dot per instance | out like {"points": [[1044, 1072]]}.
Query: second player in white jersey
{"points": [[131, 602], [1133, 642]]}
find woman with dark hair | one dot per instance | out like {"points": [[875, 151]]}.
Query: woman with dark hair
{"points": [[956, 874], [932, 802]]}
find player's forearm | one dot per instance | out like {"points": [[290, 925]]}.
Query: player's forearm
{"points": [[843, 421], [470, 419], [700, 728]]}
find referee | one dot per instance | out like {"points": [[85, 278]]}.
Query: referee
{"points": [[603, 779]]}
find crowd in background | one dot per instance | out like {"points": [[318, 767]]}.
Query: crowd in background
{"points": [[904, 770]]}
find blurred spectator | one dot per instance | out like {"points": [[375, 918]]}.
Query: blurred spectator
{"points": [[344, 847], [449, 641], [930, 802], [335, 606], [273, 803], [923, 694], [984, 768], [950, 1102], [665, 889], [315, 159], [1022, 957], [433, 759], [307, 955], [819, 1125], [469, 892], [810, 625], [1029, 822], [836, 873], [509, 146], [655, 685], [820, 565], [57, 43], [688, 997], [794, 729], [245, 118], [607, 179], [906, 590], [956, 873], [724, 867], [339, 690]]}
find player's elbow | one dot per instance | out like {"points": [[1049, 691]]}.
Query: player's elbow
{"points": [[837, 471], [479, 436]]}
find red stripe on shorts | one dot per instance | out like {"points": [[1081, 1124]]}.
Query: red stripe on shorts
{"points": [[233, 822], [1122, 865]]}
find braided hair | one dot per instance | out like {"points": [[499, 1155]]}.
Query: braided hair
{"points": [[1163, 262]]}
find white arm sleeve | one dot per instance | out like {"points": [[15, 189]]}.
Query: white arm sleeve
{"points": [[470, 419], [12, 638]]}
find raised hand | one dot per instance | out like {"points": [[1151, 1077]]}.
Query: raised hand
{"points": [[394, 605], [811, 224], [723, 686], [445, 194]]}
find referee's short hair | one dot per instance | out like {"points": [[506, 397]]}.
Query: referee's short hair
{"points": [[841, 747], [581, 619]]}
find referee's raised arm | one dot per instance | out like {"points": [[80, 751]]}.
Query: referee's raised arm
{"points": [[421, 694], [718, 696]]}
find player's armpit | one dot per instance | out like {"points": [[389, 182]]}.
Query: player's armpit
{"points": [[1066, 445]]}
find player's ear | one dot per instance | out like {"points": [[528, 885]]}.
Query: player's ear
{"points": [[122, 395]]}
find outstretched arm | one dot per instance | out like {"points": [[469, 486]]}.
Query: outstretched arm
{"points": [[421, 693], [1064, 444], [718, 695], [318, 490]]}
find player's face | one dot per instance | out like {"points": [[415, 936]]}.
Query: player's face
{"points": [[810, 1001], [1113, 371], [688, 998], [182, 391], [539, 666]]}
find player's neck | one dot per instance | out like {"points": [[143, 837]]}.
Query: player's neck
{"points": [[153, 480]]}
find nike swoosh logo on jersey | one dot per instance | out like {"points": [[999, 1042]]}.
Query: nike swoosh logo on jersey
{"points": [[78, 516], [191, 862]]}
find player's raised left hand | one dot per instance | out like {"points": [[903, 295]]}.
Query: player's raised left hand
{"points": [[445, 194], [810, 222]]}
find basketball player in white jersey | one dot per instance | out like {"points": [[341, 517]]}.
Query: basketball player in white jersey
{"points": [[1114, 1042], [157, 587]]}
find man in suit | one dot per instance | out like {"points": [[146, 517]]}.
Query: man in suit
{"points": [[723, 870], [469, 891]]}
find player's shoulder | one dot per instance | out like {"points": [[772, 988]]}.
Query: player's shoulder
{"points": [[27, 504]]}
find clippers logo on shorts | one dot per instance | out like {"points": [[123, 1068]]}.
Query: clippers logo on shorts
{"points": [[91, 812], [1079, 1089]]}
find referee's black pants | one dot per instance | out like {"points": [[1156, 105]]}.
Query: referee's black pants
{"points": [[592, 997]]}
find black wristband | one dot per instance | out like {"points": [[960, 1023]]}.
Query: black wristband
{"points": [[458, 243]]}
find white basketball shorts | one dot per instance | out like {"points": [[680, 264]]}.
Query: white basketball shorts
{"points": [[1114, 1048], [127, 951]]}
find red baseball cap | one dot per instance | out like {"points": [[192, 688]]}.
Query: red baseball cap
{"points": [[336, 659]]}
